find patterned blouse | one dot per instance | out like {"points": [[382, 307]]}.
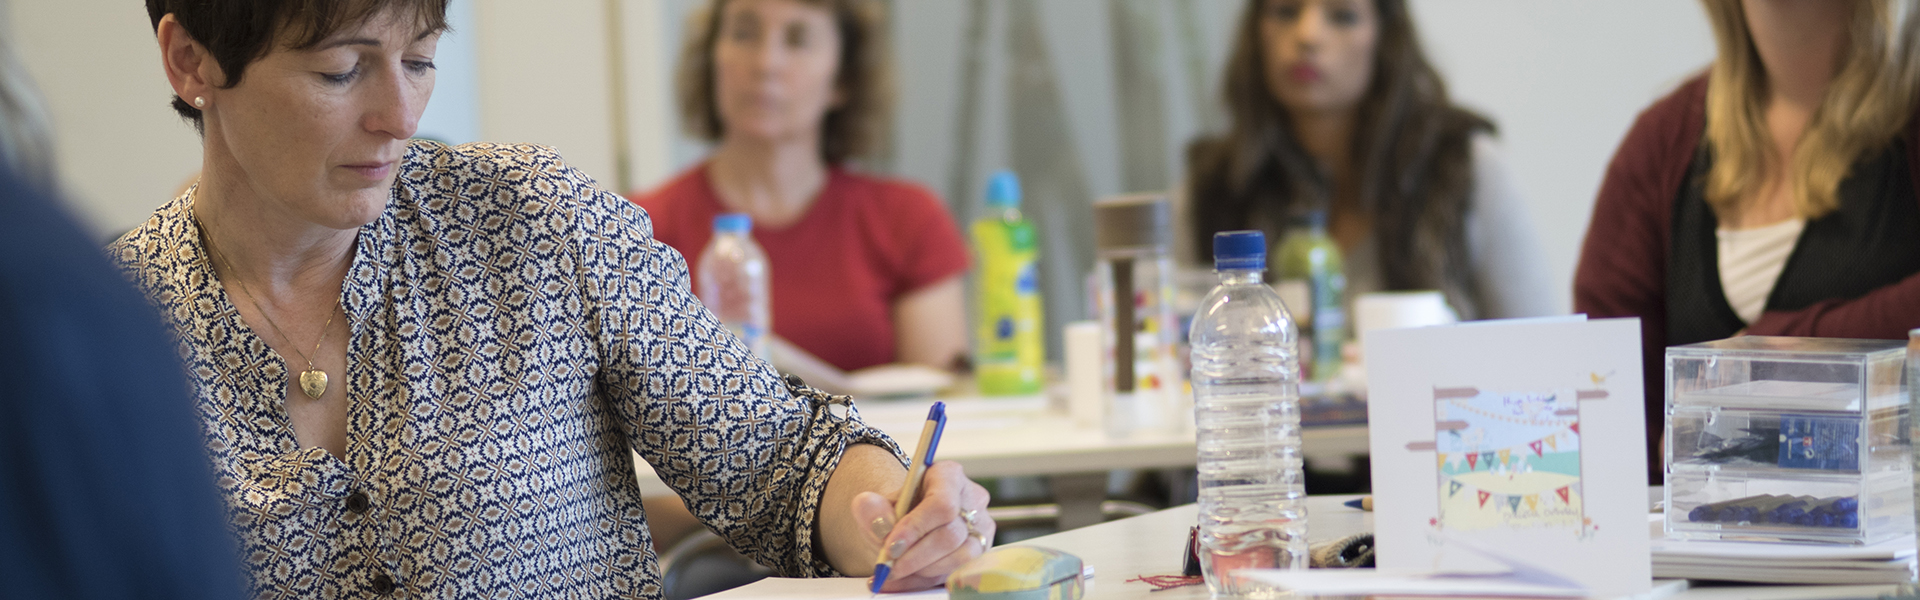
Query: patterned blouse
{"points": [[515, 332]]}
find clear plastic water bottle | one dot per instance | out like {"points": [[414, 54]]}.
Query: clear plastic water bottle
{"points": [[1246, 397], [733, 282]]}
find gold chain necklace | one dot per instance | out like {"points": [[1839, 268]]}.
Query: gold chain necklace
{"points": [[313, 381]]}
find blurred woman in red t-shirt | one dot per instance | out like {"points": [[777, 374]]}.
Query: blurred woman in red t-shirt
{"points": [[865, 271]]}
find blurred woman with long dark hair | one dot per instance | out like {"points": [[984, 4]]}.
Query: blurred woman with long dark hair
{"points": [[1333, 106]]}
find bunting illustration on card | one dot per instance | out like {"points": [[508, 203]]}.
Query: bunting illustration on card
{"points": [[1518, 448]]}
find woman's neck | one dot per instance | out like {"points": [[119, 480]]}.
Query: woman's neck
{"points": [[277, 255], [1327, 136], [775, 182], [1800, 43]]}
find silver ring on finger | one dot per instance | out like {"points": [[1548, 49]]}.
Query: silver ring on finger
{"points": [[967, 516]]}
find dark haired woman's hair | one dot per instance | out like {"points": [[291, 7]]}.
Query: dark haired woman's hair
{"points": [[238, 32], [857, 127], [1412, 151]]}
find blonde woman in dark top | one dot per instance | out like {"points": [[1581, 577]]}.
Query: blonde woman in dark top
{"points": [[1773, 195]]}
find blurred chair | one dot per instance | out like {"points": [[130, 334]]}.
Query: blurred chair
{"points": [[704, 564], [1020, 522]]}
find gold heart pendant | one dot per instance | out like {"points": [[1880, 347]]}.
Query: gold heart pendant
{"points": [[313, 382]]}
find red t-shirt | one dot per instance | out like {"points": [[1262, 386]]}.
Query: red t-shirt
{"points": [[864, 243]]}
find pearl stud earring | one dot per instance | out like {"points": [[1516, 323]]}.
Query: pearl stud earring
{"points": [[199, 102]]}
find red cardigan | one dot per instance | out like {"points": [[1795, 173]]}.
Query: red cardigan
{"points": [[1623, 262]]}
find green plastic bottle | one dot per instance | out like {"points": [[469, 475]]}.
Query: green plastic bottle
{"points": [[1310, 266], [1009, 350]]}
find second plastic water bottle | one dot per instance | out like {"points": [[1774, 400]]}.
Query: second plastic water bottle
{"points": [[733, 282], [1246, 395], [1310, 262]]}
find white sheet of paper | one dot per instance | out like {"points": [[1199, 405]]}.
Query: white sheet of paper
{"points": [[1524, 439], [1368, 582], [1756, 551], [825, 588]]}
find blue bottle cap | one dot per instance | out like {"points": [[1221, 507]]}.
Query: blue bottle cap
{"points": [[1239, 250], [1003, 190], [733, 223]]}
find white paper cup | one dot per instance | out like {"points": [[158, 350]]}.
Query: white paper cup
{"points": [[1085, 373], [1397, 310]]}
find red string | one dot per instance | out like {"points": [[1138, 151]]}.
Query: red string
{"points": [[1163, 583]]}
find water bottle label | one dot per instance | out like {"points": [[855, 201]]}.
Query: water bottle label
{"points": [[1028, 283], [1330, 318]]}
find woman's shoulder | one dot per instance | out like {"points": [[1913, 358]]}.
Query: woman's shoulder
{"points": [[151, 247], [1651, 162], [508, 176], [874, 187], [1673, 124], [1491, 176], [504, 162], [866, 193], [471, 187], [1487, 150], [1207, 158]]}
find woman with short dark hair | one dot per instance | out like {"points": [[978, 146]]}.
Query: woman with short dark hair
{"points": [[421, 368]]}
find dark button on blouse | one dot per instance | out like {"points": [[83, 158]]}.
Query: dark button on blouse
{"points": [[382, 584], [357, 503]]}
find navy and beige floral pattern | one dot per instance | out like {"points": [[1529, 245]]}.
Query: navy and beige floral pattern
{"points": [[516, 331]]}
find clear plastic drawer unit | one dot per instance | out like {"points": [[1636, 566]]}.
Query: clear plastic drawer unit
{"points": [[1788, 439]]}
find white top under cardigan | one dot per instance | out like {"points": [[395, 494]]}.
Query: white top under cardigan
{"points": [[1751, 261]]}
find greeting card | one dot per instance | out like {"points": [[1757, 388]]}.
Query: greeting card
{"points": [[1498, 444]]}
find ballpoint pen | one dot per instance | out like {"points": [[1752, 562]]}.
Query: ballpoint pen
{"points": [[923, 458]]}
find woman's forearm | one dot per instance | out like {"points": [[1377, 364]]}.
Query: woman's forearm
{"points": [[842, 538], [930, 324]]}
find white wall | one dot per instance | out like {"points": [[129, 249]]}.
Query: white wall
{"points": [[509, 71], [646, 55], [1563, 80], [122, 150], [545, 78], [453, 113], [593, 78]]}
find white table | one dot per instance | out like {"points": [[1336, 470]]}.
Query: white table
{"points": [[1151, 544], [1025, 435]]}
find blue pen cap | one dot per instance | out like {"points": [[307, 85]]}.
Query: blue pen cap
{"points": [[733, 223], [1234, 250], [1003, 190], [937, 414]]}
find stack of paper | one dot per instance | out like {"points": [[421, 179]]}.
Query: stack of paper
{"points": [[1886, 562]]}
